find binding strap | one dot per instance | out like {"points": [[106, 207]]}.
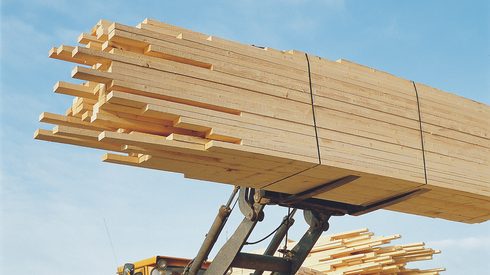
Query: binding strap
{"points": [[313, 110], [421, 132]]}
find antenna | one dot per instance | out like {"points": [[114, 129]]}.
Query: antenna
{"points": [[110, 242]]}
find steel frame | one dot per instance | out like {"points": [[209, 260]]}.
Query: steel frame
{"points": [[317, 213]]}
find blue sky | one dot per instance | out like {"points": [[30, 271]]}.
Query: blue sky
{"points": [[55, 198]]}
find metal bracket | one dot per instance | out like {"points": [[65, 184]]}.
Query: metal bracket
{"points": [[246, 204]]}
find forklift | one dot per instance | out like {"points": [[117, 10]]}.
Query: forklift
{"points": [[252, 202], [158, 265]]}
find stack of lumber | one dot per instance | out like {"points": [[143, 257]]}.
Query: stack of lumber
{"points": [[163, 97], [360, 252]]}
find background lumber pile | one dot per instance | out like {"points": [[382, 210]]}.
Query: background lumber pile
{"points": [[168, 98], [360, 252]]}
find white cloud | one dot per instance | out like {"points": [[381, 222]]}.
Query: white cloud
{"points": [[18, 41], [469, 243], [329, 3], [24, 43]]}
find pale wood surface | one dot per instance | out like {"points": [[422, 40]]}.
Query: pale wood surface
{"points": [[163, 97]]}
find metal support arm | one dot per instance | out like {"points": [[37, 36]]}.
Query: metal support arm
{"points": [[212, 236], [253, 213], [287, 222], [318, 223], [317, 212]]}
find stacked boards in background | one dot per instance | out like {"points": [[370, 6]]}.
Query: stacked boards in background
{"points": [[163, 97], [360, 252]]}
